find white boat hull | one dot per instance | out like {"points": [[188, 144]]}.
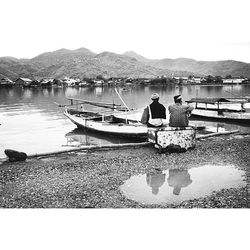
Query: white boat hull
{"points": [[235, 109], [121, 129], [238, 116]]}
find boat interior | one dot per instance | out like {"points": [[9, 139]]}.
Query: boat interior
{"points": [[100, 117]]}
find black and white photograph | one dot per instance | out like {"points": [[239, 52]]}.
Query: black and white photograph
{"points": [[122, 109]]}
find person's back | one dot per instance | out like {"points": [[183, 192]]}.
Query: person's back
{"points": [[179, 113], [154, 113]]}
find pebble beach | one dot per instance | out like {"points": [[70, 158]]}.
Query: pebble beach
{"points": [[92, 178]]}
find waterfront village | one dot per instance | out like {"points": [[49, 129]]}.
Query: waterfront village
{"points": [[100, 173], [120, 81]]}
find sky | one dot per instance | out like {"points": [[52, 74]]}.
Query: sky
{"points": [[199, 29]]}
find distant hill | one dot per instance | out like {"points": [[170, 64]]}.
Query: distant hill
{"points": [[85, 63], [215, 68], [111, 64], [136, 56], [79, 63], [14, 68]]}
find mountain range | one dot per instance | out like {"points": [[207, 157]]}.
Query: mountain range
{"points": [[85, 63]]}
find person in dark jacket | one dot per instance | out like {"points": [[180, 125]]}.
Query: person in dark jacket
{"points": [[154, 113], [179, 113]]}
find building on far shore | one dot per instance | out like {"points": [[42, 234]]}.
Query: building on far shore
{"points": [[195, 80], [234, 79], [180, 79], [98, 82], [69, 81], [23, 81], [6, 82]]}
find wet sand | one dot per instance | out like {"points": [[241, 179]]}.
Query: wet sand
{"points": [[92, 179]]}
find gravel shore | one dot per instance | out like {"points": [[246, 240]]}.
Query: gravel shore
{"points": [[91, 179]]}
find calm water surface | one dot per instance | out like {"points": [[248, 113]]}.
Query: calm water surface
{"points": [[31, 122]]}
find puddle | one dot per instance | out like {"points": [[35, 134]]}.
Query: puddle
{"points": [[175, 186]]}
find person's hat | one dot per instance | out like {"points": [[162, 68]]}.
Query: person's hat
{"points": [[177, 98], [155, 96]]}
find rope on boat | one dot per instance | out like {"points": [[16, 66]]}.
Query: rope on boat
{"points": [[125, 104]]}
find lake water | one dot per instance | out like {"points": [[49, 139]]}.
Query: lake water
{"points": [[31, 122]]}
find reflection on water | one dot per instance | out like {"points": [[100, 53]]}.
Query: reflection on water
{"points": [[79, 137], [212, 125], [178, 179], [155, 181], [30, 120], [98, 91], [181, 184]]}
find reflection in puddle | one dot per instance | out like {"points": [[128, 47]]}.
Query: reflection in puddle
{"points": [[177, 185], [155, 181], [178, 179]]}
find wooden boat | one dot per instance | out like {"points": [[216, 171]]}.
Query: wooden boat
{"points": [[234, 109], [105, 121], [116, 119]]}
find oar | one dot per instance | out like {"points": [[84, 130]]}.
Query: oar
{"points": [[90, 103], [94, 103]]}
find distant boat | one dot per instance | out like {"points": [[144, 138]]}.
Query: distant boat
{"points": [[234, 109]]}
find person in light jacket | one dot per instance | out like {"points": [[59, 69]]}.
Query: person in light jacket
{"points": [[154, 113]]}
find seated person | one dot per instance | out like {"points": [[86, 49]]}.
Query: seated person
{"points": [[179, 113], [154, 113]]}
